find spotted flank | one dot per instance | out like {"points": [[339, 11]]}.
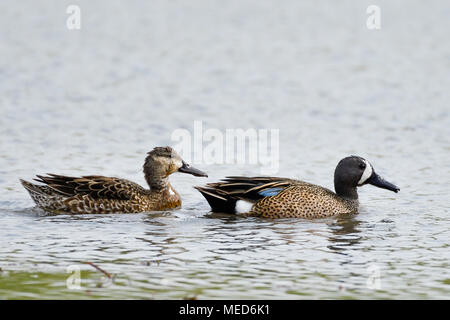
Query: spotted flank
{"points": [[99, 194], [273, 197]]}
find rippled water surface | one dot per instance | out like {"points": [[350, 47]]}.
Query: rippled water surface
{"points": [[94, 101]]}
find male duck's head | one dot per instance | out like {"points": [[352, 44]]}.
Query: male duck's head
{"points": [[354, 171], [163, 161]]}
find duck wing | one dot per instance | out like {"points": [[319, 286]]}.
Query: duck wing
{"points": [[222, 196], [97, 187]]}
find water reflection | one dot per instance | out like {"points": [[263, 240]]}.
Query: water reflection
{"points": [[344, 234]]}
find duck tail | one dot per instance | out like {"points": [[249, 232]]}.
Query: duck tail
{"points": [[30, 187], [218, 202], [39, 194]]}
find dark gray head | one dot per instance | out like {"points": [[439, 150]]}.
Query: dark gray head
{"points": [[354, 171]]}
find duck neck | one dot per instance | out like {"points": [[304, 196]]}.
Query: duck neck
{"points": [[156, 178], [345, 191], [157, 182]]}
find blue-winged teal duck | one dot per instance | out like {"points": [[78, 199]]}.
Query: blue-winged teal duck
{"points": [[272, 197], [98, 194]]}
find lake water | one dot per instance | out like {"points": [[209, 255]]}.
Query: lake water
{"points": [[95, 100]]}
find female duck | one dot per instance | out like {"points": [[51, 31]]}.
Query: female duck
{"points": [[271, 197], [98, 194]]}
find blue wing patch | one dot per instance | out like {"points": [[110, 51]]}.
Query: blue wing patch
{"points": [[270, 192]]}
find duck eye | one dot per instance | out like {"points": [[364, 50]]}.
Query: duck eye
{"points": [[362, 165]]}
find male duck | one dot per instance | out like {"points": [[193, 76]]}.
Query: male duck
{"points": [[272, 197], [98, 194]]}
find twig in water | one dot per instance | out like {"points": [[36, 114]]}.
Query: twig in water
{"points": [[99, 269]]}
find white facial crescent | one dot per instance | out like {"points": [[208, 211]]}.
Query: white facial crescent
{"points": [[366, 174]]}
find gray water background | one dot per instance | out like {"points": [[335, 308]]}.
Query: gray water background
{"points": [[95, 100]]}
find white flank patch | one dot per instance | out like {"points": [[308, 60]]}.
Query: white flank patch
{"points": [[366, 174], [243, 206]]}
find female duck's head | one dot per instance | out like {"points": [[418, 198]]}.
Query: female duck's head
{"points": [[352, 172], [162, 162]]}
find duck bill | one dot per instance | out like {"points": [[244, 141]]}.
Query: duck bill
{"points": [[379, 182], [186, 168]]}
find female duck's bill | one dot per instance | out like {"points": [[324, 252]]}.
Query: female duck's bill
{"points": [[186, 168]]}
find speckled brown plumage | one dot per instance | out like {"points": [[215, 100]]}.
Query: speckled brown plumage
{"points": [[297, 199], [273, 197], [303, 200], [99, 194]]}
